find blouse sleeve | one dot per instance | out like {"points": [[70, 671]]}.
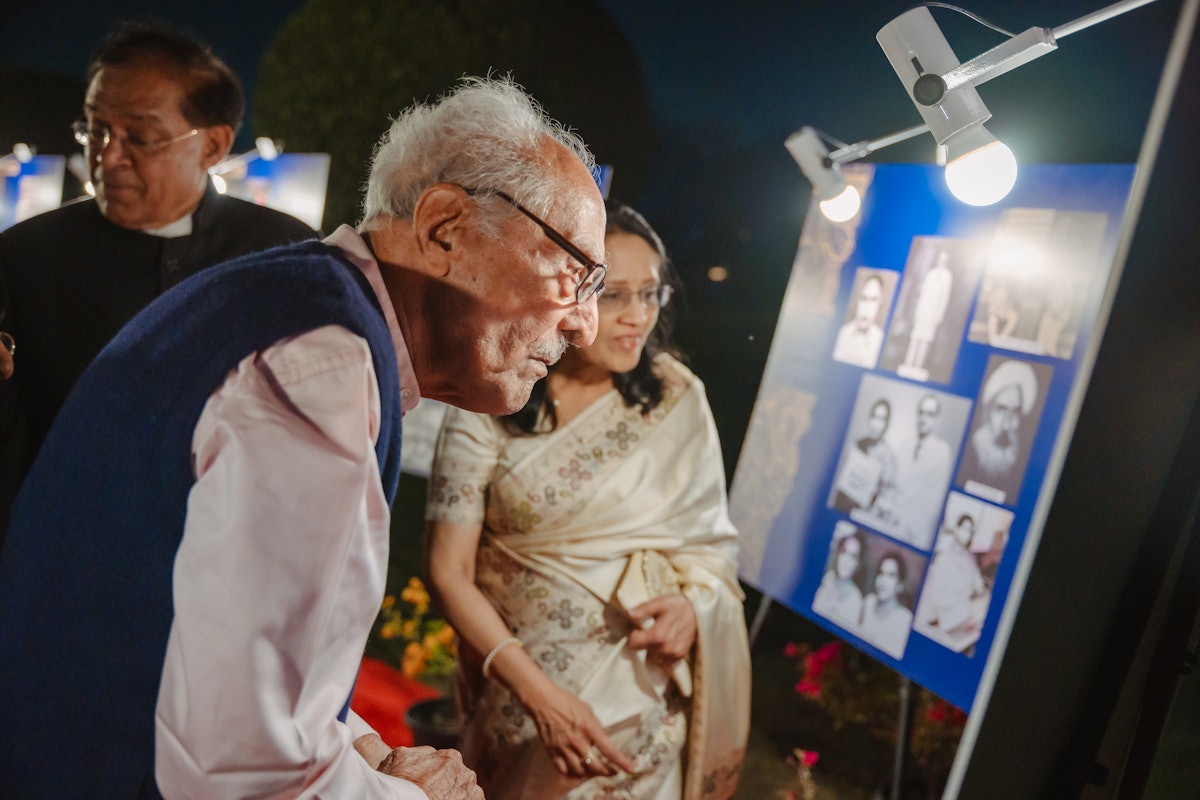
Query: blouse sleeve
{"points": [[464, 461]]}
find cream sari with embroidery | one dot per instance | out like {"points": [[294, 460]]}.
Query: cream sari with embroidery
{"points": [[579, 524]]}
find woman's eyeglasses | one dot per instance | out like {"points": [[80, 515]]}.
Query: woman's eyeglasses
{"points": [[651, 297]]}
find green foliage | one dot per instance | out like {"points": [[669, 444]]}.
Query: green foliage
{"points": [[338, 72]]}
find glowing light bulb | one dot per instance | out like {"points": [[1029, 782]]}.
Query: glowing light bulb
{"points": [[983, 176], [843, 206]]}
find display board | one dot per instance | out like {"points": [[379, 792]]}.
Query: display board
{"points": [[294, 183], [917, 382], [29, 187]]}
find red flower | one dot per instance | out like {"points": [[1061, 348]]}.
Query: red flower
{"points": [[791, 649], [944, 713], [812, 666], [808, 687], [808, 757], [829, 651]]}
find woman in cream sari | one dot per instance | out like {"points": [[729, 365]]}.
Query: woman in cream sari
{"points": [[583, 552]]}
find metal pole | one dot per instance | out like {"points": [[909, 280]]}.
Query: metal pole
{"points": [[760, 616], [904, 719], [853, 152], [1097, 17]]}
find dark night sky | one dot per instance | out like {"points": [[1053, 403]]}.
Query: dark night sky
{"points": [[728, 81], [741, 69]]}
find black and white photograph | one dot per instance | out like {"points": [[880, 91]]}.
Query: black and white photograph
{"points": [[932, 306], [1040, 266], [898, 458], [893, 574], [861, 335], [957, 591], [1006, 420], [839, 597]]}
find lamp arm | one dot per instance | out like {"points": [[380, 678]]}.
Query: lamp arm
{"points": [[1004, 57], [1023, 48], [853, 152], [1101, 15]]}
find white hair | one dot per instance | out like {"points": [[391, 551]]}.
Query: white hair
{"points": [[486, 134]]}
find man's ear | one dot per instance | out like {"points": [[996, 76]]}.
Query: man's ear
{"points": [[438, 222], [218, 140]]}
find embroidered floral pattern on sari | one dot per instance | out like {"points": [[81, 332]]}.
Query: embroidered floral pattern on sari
{"points": [[580, 524]]}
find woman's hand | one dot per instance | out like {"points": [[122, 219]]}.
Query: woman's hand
{"points": [[672, 631], [572, 735]]}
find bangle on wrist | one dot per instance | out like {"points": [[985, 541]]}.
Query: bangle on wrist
{"points": [[487, 661]]}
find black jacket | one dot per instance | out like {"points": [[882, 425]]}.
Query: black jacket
{"points": [[73, 279]]}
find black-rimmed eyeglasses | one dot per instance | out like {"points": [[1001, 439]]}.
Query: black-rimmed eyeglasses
{"points": [[592, 283]]}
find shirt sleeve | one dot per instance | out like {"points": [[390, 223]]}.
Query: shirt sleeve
{"points": [[277, 580], [464, 460]]}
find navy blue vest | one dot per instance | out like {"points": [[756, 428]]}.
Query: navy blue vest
{"points": [[85, 576]]}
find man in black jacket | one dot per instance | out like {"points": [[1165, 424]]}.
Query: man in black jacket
{"points": [[161, 109]]}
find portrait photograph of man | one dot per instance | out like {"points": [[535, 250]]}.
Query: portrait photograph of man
{"points": [[860, 337], [1006, 419]]}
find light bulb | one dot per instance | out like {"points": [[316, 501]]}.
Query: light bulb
{"points": [[842, 206], [983, 176]]}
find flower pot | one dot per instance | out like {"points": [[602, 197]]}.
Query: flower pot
{"points": [[433, 722]]}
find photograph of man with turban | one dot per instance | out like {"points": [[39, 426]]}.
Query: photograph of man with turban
{"points": [[1006, 417]]}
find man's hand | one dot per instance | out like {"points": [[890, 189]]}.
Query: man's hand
{"points": [[441, 774]]}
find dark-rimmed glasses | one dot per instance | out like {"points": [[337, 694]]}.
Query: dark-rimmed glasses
{"points": [[98, 137], [592, 283]]}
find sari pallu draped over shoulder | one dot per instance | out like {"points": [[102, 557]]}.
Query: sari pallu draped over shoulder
{"points": [[581, 524]]}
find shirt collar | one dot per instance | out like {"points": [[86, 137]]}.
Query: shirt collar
{"points": [[352, 244], [176, 229], [185, 224]]}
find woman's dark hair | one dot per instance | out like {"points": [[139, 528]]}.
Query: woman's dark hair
{"points": [[901, 564], [860, 571], [212, 92], [639, 386], [886, 406]]}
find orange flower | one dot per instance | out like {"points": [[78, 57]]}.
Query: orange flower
{"points": [[415, 593], [413, 661]]}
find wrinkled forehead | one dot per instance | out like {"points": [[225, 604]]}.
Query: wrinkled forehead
{"points": [[578, 211]]}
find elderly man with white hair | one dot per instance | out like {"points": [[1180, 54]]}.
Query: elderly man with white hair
{"points": [[218, 486], [994, 456]]}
